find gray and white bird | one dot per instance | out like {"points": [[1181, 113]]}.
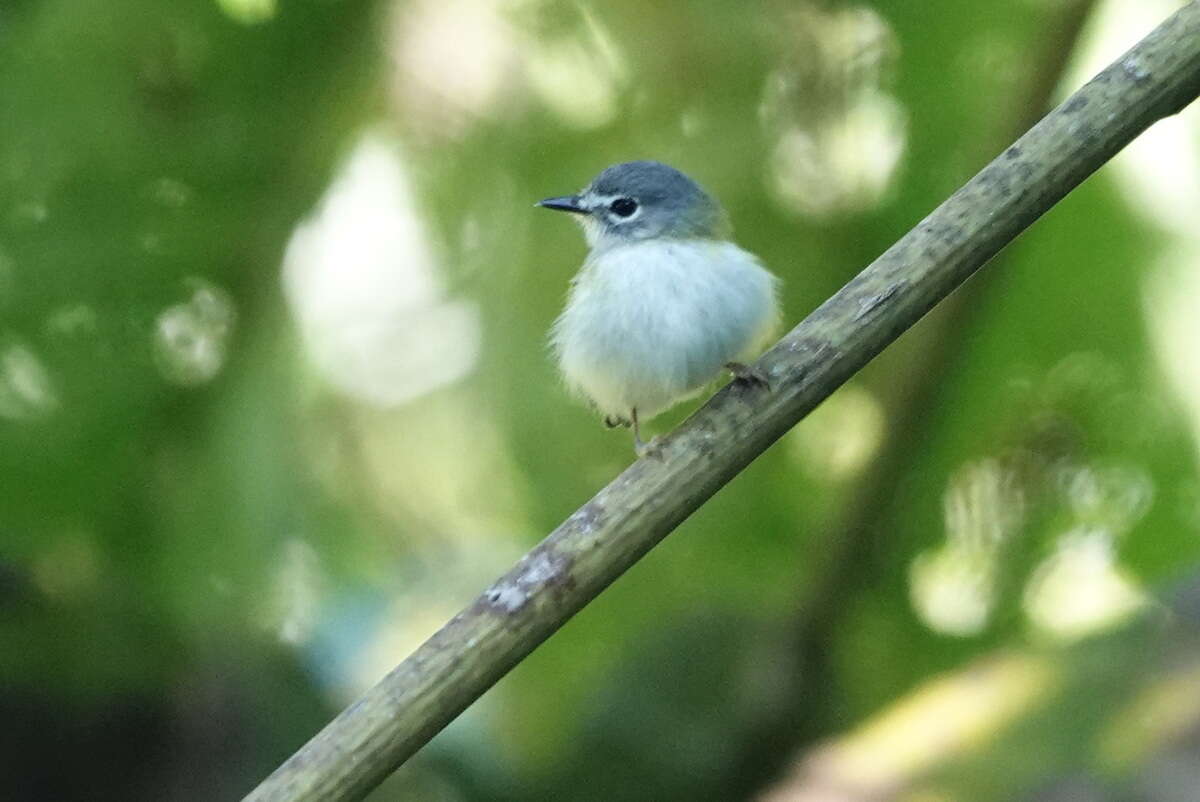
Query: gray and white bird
{"points": [[664, 300]]}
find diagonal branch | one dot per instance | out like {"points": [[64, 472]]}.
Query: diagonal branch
{"points": [[802, 708], [626, 519]]}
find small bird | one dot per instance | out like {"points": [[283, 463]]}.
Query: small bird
{"points": [[664, 300]]}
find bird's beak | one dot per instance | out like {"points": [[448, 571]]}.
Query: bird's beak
{"points": [[567, 203]]}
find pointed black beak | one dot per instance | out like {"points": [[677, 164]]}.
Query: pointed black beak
{"points": [[567, 203]]}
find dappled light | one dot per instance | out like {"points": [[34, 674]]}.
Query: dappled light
{"points": [[278, 400], [1157, 173], [577, 72], [1173, 296], [839, 133], [842, 436], [942, 720], [363, 280], [191, 338], [26, 389], [953, 588], [1079, 589], [578, 77], [294, 605], [1160, 715], [249, 11], [474, 37]]}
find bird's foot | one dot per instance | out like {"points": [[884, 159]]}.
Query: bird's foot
{"points": [[641, 447], [613, 421], [747, 374], [649, 448]]}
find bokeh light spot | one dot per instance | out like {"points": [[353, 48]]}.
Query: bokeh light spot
{"points": [[363, 282], [26, 390], [249, 12], [191, 338], [953, 587]]}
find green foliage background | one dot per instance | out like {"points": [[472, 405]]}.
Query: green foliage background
{"points": [[163, 507]]}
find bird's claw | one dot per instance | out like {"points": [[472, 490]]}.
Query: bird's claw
{"points": [[649, 448], [748, 375]]}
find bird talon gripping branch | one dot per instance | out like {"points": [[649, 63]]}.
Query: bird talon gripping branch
{"points": [[748, 375]]}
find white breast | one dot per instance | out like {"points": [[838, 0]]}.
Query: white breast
{"points": [[648, 324]]}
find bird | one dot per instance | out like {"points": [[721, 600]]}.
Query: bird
{"points": [[665, 301]]}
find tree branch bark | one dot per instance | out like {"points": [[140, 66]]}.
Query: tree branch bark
{"points": [[593, 547], [844, 558]]}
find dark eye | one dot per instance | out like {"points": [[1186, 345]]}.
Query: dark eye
{"points": [[623, 207]]}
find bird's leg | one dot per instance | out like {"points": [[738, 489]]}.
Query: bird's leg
{"points": [[747, 374], [612, 421], [640, 446]]}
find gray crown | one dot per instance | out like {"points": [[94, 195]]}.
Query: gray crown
{"points": [[668, 204]]}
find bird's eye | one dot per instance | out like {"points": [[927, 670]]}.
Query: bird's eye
{"points": [[623, 207]]}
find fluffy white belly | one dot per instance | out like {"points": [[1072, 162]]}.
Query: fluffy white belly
{"points": [[649, 324]]}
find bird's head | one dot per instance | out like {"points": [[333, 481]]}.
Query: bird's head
{"points": [[643, 200]]}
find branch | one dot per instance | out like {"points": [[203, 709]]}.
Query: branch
{"points": [[799, 715], [593, 547]]}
